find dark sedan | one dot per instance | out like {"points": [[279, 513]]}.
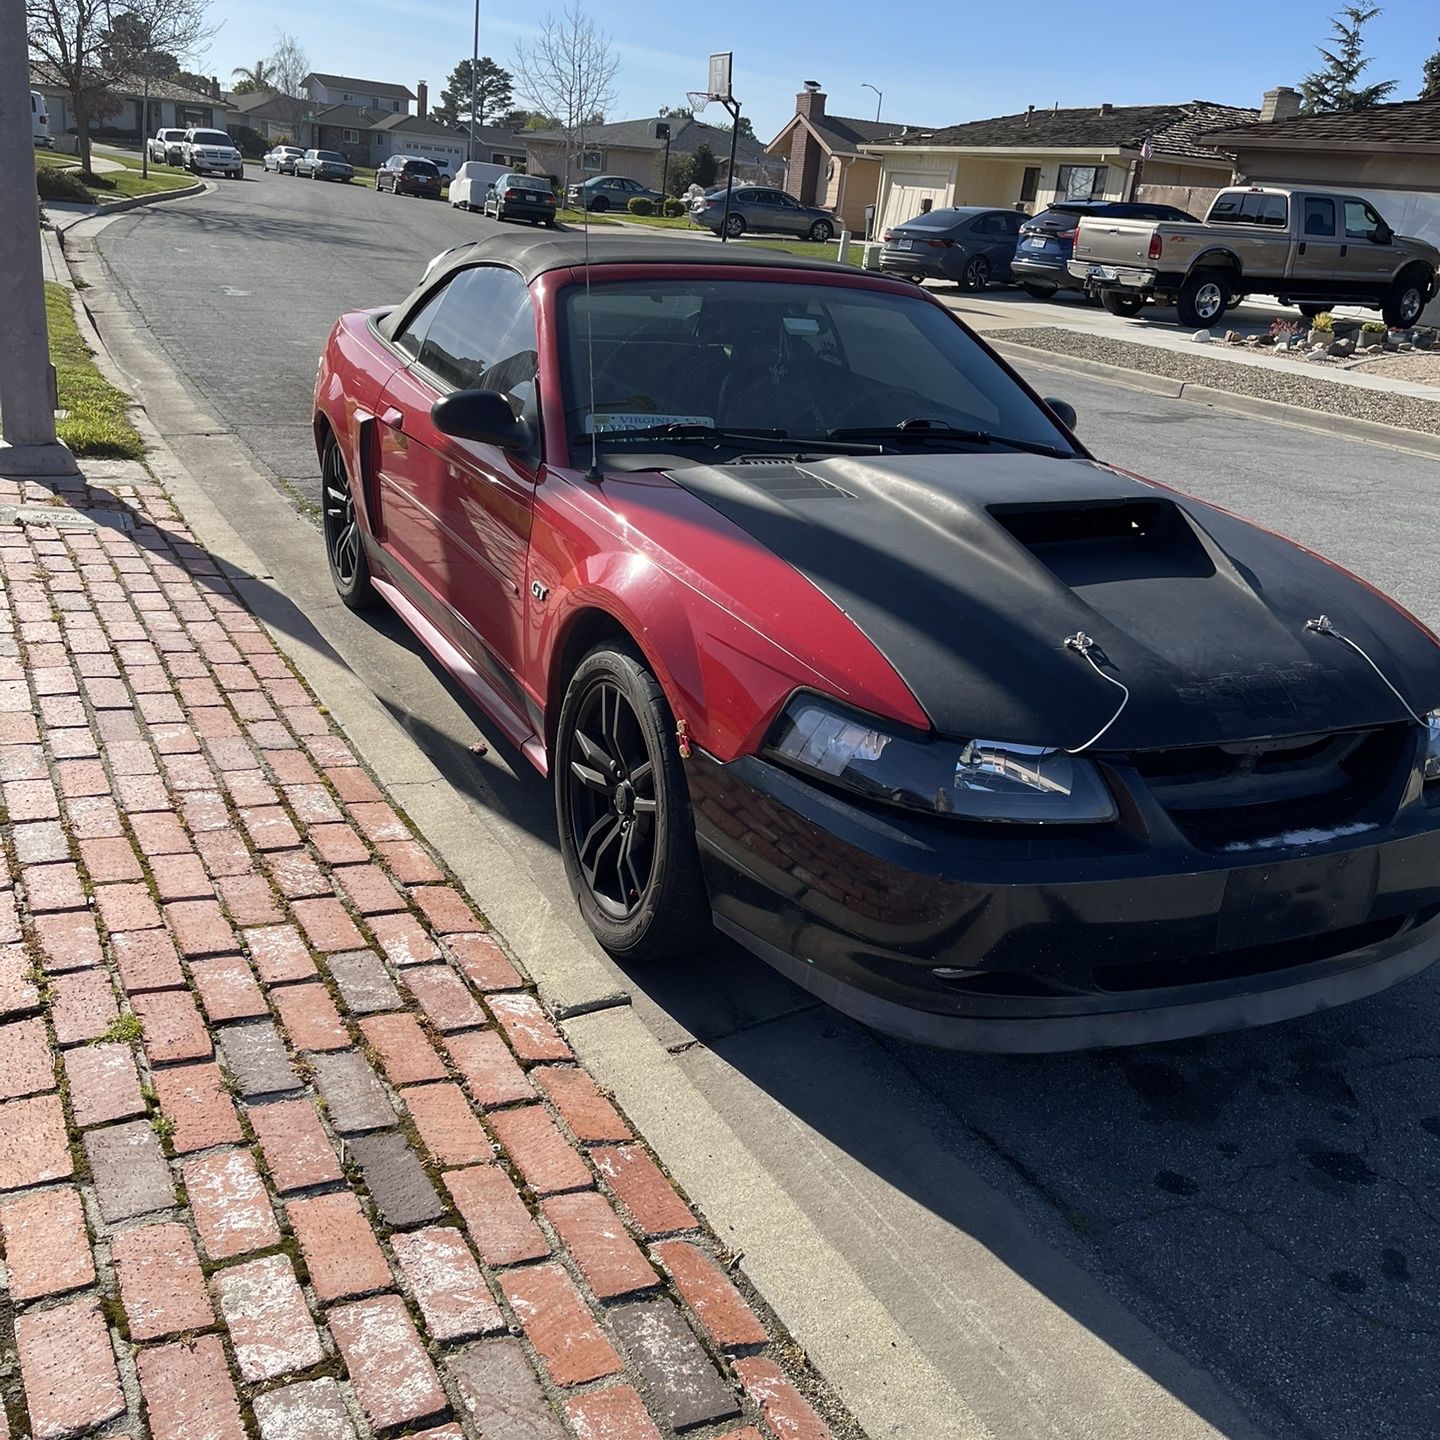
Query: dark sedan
{"points": [[822, 623], [1048, 240], [965, 243], [521, 197], [409, 175], [760, 207]]}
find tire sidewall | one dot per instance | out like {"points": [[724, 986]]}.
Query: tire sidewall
{"points": [[357, 593]]}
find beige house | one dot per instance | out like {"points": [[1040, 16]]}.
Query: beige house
{"points": [[823, 161], [1028, 161]]}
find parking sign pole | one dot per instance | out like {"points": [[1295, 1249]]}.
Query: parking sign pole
{"points": [[474, 81], [733, 107], [27, 381]]}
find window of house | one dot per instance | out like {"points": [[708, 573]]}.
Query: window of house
{"points": [[592, 160], [1030, 182], [347, 98], [1082, 182], [351, 137], [395, 105]]}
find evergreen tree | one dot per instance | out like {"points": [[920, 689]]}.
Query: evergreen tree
{"points": [[1336, 85], [1430, 78], [493, 84]]}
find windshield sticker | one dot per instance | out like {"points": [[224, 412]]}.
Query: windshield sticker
{"points": [[641, 420]]}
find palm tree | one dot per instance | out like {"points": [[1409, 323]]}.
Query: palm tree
{"points": [[253, 78]]}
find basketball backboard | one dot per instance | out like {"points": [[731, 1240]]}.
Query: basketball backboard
{"points": [[720, 65]]}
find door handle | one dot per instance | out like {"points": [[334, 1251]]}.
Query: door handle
{"points": [[393, 418], [1344, 250], [1302, 247]]}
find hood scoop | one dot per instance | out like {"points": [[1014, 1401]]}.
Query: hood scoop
{"points": [[1087, 542], [785, 480]]}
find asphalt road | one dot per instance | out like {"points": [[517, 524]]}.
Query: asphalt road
{"points": [[1267, 1202]]}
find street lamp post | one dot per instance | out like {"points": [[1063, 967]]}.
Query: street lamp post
{"points": [[879, 98]]}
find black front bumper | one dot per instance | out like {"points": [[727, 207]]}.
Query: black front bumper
{"points": [[1058, 938]]}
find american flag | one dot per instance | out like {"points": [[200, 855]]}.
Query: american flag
{"points": [[1147, 149]]}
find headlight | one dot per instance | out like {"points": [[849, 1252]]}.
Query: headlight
{"points": [[974, 780], [1431, 767]]}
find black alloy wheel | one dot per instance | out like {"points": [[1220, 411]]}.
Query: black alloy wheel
{"points": [[622, 804], [344, 546], [976, 275]]}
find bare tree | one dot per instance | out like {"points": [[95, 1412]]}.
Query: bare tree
{"points": [[89, 46], [568, 71], [289, 65]]}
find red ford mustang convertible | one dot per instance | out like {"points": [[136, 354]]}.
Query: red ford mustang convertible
{"points": [[826, 627]]}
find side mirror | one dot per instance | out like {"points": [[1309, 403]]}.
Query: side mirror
{"points": [[1063, 411], [484, 416], [1382, 234]]}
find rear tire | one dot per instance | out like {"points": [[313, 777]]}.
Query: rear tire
{"points": [[1040, 292], [821, 230], [1203, 299], [1117, 302], [976, 275], [735, 226], [598, 205], [1405, 302], [627, 834], [344, 543]]}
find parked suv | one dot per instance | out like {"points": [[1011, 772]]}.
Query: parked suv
{"points": [[409, 175], [324, 165], [1048, 240], [758, 207], [40, 122], [203, 150]]}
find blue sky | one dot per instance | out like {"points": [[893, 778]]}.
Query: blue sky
{"points": [[948, 62]]}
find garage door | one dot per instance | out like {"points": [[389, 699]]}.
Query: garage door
{"points": [[903, 198]]}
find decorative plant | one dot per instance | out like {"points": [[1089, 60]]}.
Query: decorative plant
{"points": [[1373, 327], [1324, 321], [1284, 330]]}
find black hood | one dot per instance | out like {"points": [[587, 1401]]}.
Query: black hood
{"points": [[969, 571]]}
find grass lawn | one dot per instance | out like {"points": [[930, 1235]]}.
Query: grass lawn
{"points": [[660, 222], [113, 184], [577, 218], [97, 422], [823, 250]]}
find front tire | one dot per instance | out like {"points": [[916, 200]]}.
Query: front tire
{"points": [[627, 835], [1202, 300], [344, 544], [1117, 302], [1403, 305]]}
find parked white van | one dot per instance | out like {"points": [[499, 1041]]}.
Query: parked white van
{"points": [[472, 180], [40, 121]]}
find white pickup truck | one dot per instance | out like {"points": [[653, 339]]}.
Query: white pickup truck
{"points": [[1313, 248], [164, 146], [203, 150]]}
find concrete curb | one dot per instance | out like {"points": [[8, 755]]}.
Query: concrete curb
{"points": [[132, 202], [1303, 418]]}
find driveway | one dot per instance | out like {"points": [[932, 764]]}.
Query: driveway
{"points": [[1263, 1205]]}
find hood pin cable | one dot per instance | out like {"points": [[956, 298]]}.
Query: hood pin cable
{"points": [[1324, 626], [1083, 646]]}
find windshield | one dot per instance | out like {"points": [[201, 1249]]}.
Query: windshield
{"points": [[210, 137], [794, 359]]}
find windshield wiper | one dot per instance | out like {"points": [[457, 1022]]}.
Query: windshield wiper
{"points": [[929, 430]]}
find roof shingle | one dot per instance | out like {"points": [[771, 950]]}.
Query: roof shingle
{"points": [[1171, 129], [1411, 122]]}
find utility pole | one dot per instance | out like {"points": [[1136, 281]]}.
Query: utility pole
{"points": [[474, 81], [27, 381]]}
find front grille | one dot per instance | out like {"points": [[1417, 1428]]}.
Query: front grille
{"points": [[1224, 797]]}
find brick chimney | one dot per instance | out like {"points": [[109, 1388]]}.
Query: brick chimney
{"points": [[803, 178], [422, 99], [1281, 103], [1107, 108], [214, 87], [810, 102]]}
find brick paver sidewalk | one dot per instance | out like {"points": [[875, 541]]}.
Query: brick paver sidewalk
{"points": [[287, 1145]]}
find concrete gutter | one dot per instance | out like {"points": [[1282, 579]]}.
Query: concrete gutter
{"points": [[1300, 416], [927, 1328]]}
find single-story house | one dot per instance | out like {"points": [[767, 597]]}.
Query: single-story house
{"points": [[170, 105], [378, 95], [630, 148], [370, 137], [281, 119], [823, 161], [1029, 160]]}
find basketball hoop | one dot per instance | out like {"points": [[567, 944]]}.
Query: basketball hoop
{"points": [[698, 99]]}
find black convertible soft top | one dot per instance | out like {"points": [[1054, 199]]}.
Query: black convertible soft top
{"points": [[535, 254]]}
